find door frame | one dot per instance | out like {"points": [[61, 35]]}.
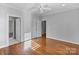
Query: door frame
{"points": [[8, 26]]}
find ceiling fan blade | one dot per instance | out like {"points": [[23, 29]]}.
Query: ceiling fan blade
{"points": [[35, 6], [47, 8]]}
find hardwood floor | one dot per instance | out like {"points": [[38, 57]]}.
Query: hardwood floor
{"points": [[41, 46], [23, 48], [54, 47]]}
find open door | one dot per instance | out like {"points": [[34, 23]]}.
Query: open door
{"points": [[14, 30], [18, 29]]}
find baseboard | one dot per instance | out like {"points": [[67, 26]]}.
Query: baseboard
{"points": [[63, 40], [3, 46], [59, 40]]}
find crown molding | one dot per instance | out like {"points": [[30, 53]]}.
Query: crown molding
{"points": [[11, 6]]}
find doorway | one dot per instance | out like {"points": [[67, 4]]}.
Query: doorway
{"points": [[43, 28], [14, 30]]}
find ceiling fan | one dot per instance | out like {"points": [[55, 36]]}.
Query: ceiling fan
{"points": [[41, 7]]}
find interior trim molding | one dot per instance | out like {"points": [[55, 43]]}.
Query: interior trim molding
{"points": [[63, 40]]}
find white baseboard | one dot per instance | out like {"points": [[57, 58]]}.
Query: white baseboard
{"points": [[64, 40], [3, 46], [27, 36]]}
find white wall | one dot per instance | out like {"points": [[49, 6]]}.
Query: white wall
{"points": [[36, 25], [27, 25], [4, 25], [64, 26], [3, 36], [27, 21], [32, 24]]}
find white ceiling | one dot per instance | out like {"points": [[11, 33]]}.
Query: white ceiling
{"points": [[23, 6], [55, 7]]}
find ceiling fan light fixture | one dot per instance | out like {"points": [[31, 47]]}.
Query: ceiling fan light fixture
{"points": [[63, 5]]}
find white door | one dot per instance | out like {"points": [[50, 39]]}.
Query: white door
{"points": [[18, 30]]}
